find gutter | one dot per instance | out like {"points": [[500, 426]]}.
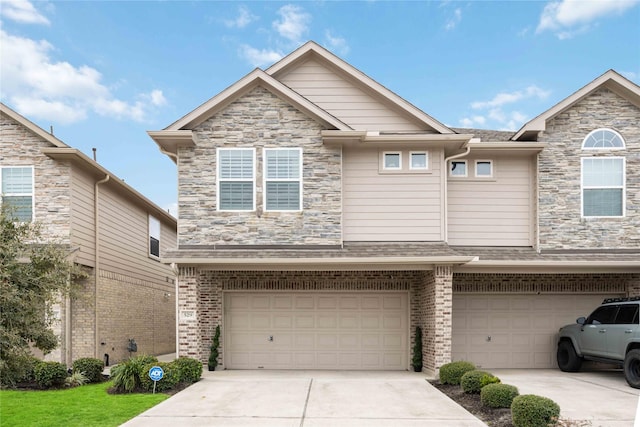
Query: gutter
{"points": [[96, 267]]}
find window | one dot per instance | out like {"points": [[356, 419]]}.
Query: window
{"points": [[603, 139], [392, 160], [283, 176], [236, 179], [603, 315], [458, 168], [484, 168], [603, 186], [419, 160], [627, 314], [16, 190], [154, 236]]}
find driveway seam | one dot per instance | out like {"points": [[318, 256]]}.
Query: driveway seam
{"points": [[306, 402]]}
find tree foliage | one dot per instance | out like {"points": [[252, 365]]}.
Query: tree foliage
{"points": [[33, 275]]}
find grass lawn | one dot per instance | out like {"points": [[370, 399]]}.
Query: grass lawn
{"points": [[89, 405]]}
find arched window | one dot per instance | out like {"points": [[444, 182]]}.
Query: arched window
{"points": [[600, 139]]}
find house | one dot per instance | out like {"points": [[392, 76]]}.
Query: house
{"points": [[322, 218], [109, 228]]}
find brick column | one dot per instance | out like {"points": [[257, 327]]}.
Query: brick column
{"points": [[188, 331], [443, 301]]}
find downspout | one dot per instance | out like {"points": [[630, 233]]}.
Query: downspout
{"points": [[446, 190], [96, 268], [173, 156]]}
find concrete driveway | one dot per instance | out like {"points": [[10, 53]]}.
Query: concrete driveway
{"points": [[309, 399], [599, 396]]}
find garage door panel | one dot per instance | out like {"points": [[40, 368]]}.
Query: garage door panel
{"points": [[522, 327], [316, 330]]}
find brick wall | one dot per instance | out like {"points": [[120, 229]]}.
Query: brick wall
{"points": [[259, 119], [560, 223]]}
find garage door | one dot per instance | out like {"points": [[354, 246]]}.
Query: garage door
{"points": [[514, 331], [316, 331]]}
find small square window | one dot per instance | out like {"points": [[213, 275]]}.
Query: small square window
{"points": [[418, 161], [484, 168], [393, 161], [458, 168]]}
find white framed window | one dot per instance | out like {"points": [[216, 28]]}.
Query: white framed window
{"points": [[603, 139], [418, 160], [282, 179], [17, 191], [236, 179], [392, 160], [484, 169], [154, 236], [458, 168], [603, 186]]}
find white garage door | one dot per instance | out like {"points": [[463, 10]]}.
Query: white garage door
{"points": [[514, 331], [316, 330]]}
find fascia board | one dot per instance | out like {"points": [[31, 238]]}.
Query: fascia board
{"points": [[550, 266]]}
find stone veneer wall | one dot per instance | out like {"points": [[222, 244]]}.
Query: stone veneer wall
{"points": [[561, 225], [201, 294], [259, 119]]}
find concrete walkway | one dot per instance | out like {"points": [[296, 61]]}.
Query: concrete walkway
{"points": [[309, 399]]}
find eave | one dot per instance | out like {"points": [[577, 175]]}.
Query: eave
{"points": [[540, 266], [170, 140]]}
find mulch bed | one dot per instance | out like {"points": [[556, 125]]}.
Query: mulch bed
{"points": [[500, 417]]}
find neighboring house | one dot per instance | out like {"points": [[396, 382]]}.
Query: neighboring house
{"points": [[116, 233], [323, 218]]}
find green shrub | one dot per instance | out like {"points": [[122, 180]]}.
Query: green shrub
{"points": [[498, 395], [213, 355], [190, 369], [473, 381], [451, 373], [126, 375], [170, 379], [530, 410], [19, 369], [76, 379], [50, 374], [90, 367]]}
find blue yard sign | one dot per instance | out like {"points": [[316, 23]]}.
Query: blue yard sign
{"points": [[156, 374]]}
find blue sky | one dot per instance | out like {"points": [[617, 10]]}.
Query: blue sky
{"points": [[103, 73]]}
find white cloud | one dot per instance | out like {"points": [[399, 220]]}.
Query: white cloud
{"points": [[470, 122], [570, 17], [39, 86], [336, 44], [259, 57], [454, 20], [508, 98], [22, 11], [244, 18], [294, 23]]}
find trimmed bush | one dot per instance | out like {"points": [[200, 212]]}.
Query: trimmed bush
{"points": [[498, 395], [50, 374], [190, 369], [126, 375], [451, 373], [530, 410], [90, 367], [17, 370], [473, 381], [170, 379]]}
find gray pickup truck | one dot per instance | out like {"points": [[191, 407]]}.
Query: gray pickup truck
{"points": [[611, 334]]}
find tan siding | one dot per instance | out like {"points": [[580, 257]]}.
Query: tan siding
{"points": [[82, 217], [343, 99], [496, 212], [389, 207], [124, 246]]}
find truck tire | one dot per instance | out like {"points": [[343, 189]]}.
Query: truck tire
{"points": [[632, 368], [568, 359]]}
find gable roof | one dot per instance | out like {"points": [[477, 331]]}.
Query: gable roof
{"points": [[32, 126], [317, 52], [252, 80], [611, 80]]}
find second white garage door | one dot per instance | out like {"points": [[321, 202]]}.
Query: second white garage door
{"points": [[514, 331], [270, 330]]}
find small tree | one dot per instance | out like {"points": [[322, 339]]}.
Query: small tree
{"points": [[213, 355], [33, 275], [417, 351]]}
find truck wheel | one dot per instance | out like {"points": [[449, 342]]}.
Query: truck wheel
{"points": [[632, 368], [568, 360]]}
